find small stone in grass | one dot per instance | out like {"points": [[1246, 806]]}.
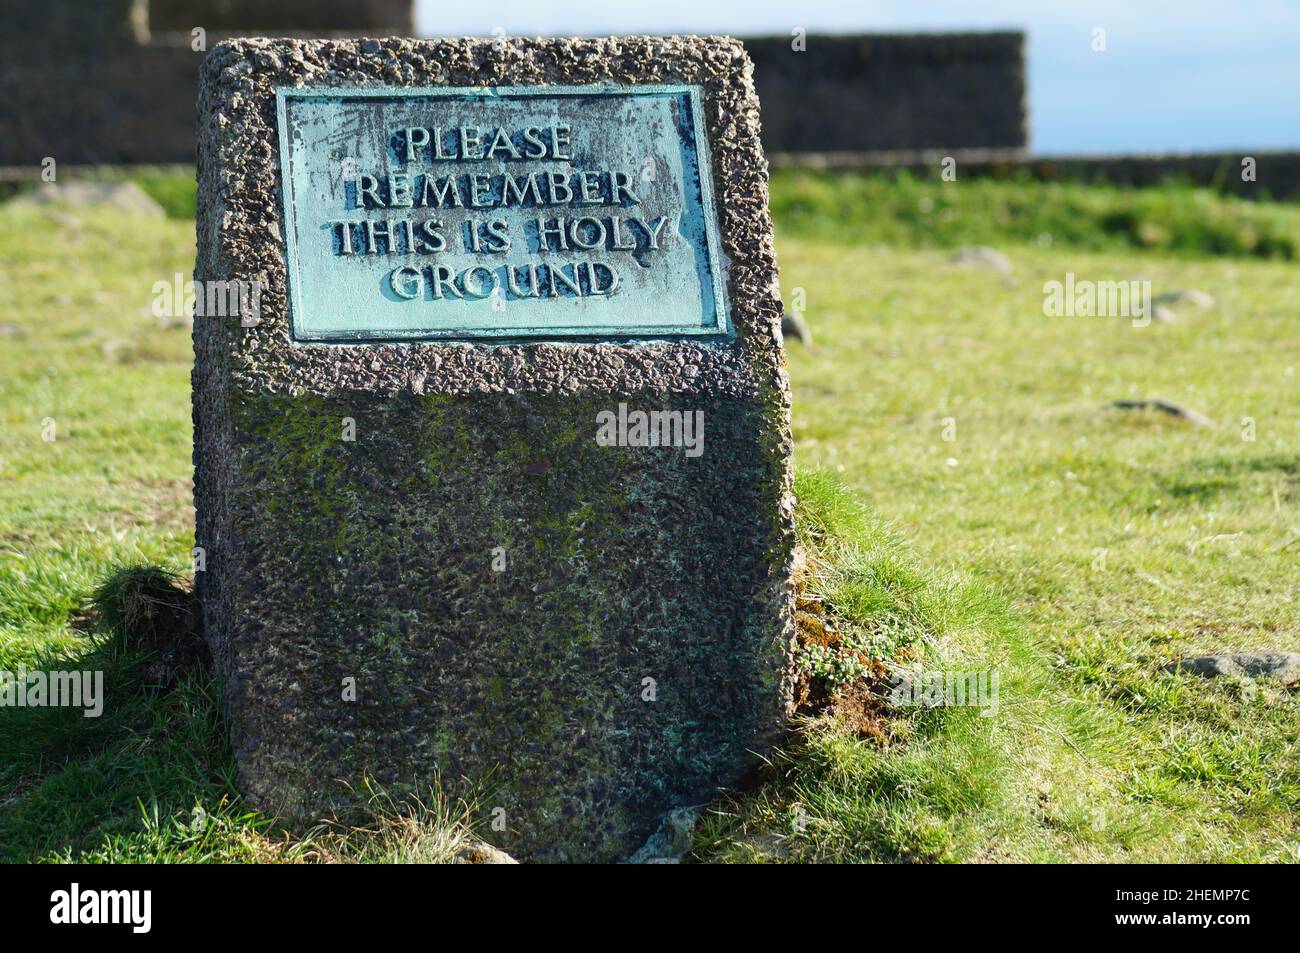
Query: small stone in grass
{"points": [[1190, 296], [669, 844], [794, 325], [982, 256], [480, 852], [121, 196], [1282, 666], [1165, 407]]}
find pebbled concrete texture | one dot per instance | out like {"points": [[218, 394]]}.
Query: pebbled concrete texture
{"points": [[371, 559]]}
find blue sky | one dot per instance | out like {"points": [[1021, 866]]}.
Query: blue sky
{"points": [[1175, 76]]}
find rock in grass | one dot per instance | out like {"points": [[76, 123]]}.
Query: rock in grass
{"points": [[123, 196], [669, 844], [982, 256], [481, 852], [1165, 407], [1281, 666], [794, 325], [1190, 296], [1160, 304]]}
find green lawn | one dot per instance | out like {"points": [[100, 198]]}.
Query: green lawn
{"points": [[1070, 547], [1119, 543]]}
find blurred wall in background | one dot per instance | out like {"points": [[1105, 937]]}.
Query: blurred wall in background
{"points": [[892, 93], [115, 81], [259, 17]]}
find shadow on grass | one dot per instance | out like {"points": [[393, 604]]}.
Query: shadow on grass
{"points": [[151, 779], [111, 786]]}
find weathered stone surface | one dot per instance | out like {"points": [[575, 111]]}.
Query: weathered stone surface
{"points": [[371, 559]]}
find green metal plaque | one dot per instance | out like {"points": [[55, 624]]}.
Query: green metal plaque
{"points": [[525, 212]]}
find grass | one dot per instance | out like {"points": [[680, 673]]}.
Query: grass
{"points": [[943, 397], [902, 210], [936, 787], [967, 499]]}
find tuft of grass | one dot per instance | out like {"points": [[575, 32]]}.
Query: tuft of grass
{"points": [[127, 785], [131, 783], [414, 830], [830, 796], [140, 615], [224, 834], [857, 565], [144, 608]]}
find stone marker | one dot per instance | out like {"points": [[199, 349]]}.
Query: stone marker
{"points": [[493, 488]]}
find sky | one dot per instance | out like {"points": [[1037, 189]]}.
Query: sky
{"points": [[1193, 75]]}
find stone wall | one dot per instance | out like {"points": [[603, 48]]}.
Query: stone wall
{"points": [[114, 81], [261, 16], [891, 92]]}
